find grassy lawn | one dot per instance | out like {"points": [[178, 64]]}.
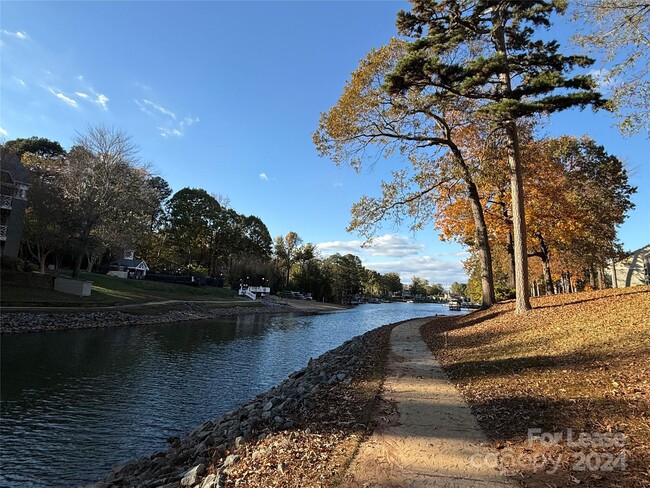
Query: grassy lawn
{"points": [[109, 290], [579, 362]]}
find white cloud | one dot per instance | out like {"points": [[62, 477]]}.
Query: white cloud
{"points": [[101, 100], [96, 98], [3, 132], [58, 94], [338, 184], [263, 177], [170, 126], [167, 132], [430, 268], [187, 121], [142, 107], [387, 246], [143, 86], [22, 35], [160, 108], [403, 257], [20, 81], [392, 245]]}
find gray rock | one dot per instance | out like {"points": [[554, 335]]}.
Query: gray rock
{"points": [[192, 476], [210, 481], [268, 406], [230, 460]]}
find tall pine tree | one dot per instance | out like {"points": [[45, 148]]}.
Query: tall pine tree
{"points": [[484, 50]]}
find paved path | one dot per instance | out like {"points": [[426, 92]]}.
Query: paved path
{"points": [[427, 433]]}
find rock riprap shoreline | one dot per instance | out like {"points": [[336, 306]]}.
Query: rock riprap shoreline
{"points": [[300, 433], [20, 322]]}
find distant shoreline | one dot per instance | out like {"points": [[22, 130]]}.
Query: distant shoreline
{"points": [[19, 320]]}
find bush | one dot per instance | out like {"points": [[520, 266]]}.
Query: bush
{"points": [[9, 263], [30, 267], [504, 292]]}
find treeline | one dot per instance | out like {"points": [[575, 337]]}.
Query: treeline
{"points": [[89, 204]]}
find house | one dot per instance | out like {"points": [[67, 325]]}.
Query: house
{"points": [[129, 267], [13, 201], [633, 270]]}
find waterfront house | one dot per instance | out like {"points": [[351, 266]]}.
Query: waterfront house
{"points": [[13, 201], [129, 267], [634, 270]]}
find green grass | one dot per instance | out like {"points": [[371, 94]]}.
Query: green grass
{"points": [[109, 290]]}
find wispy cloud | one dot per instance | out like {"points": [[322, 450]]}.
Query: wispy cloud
{"points": [[82, 95], [3, 132], [159, 108], [338, 184], [19, 81], [263, 177], [143, 86], [385, 246], [100, 99], [168, 123], [169, 132], [22, 35], [61, 96]]}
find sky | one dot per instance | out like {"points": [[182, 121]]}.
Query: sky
{"points": [[225, 96]]}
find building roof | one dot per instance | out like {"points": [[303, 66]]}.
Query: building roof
{"points": [[131, 263]]}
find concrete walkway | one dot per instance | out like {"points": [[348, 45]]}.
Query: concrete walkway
{"points": [[427, 435]]}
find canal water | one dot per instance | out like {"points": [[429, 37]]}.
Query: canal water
{"points": [[74, 404]]}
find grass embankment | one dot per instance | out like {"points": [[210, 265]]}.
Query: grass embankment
{"points": [[109, 290], [578, 362]]}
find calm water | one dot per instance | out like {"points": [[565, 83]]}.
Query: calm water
{"points": [[76, 403]]}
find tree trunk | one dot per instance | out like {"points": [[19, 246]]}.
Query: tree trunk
{"points": [[548, 277], [522, 303], [510, 249], [485, 256], [77, 264], [481, 233], [601, 278], [592, 277], [614, 278]]}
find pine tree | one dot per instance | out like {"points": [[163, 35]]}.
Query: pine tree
{"points": [[484, 50]]}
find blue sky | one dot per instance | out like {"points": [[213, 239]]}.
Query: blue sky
{"points": [[225, 96]]}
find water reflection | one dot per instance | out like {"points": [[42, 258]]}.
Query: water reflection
{"points": [[76, 403]]}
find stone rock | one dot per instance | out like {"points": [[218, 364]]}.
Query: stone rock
{"points": [[268, 406], [192, 476], [210, 481], [230, 460]]}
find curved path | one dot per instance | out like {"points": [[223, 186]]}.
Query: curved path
{"points": [[427, 435]]}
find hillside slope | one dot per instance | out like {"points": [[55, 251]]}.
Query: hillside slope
{"points": [[579, 362]]}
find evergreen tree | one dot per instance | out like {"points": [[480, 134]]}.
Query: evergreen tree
{"points": [[484, 51]]}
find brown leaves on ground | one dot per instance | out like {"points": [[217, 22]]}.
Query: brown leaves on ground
{"points": [[318, 450], [577, 361]]}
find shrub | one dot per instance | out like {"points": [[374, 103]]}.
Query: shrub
{"points": [[9, 263], [504, 292]]}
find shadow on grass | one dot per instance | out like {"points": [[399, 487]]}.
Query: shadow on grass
{"points": [[468, 370], [586, 300]]}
